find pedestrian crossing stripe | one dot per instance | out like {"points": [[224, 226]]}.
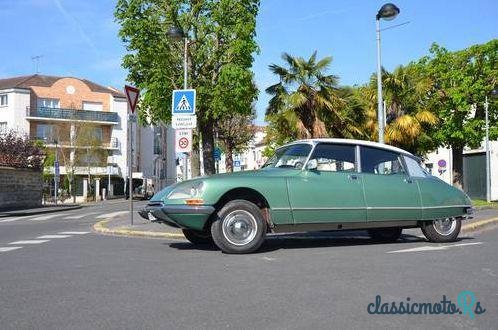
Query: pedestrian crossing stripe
{"points": [[183, 105]]}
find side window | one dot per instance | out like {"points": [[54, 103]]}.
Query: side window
{"points": [[414, 168], [335, 157], [378, 161]]}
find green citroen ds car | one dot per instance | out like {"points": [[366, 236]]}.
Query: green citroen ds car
{"points": [[314, 185]]}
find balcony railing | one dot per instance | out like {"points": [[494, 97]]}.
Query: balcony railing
{"points": [[113, 144], [72, 114]]}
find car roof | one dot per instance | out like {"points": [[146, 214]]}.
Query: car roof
{"points": [[354, 142]]}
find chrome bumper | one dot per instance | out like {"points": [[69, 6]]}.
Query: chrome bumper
{"points": [[158, 211]]}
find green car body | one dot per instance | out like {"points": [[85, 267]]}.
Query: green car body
{"points": [[306, 198]]}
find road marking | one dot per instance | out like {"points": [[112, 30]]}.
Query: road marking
{"points": [[53, 236], [10, 248], [32, 241], [45, 217], [74, 232], [18, 218], [79, 216], [111, 215], [434, 248]]}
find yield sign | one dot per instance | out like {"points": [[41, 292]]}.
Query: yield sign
{"points": [[132, 94]]}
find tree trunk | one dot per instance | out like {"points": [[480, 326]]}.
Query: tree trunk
{"points": [[207, 134], [457, 155], [195, 160], [229, 159]]}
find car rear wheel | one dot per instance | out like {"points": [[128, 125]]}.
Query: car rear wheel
{"points": [[385, 234], [240, 227], [442, 230], [198, 237]]}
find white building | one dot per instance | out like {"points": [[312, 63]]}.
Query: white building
{"points": [[53, 109]]}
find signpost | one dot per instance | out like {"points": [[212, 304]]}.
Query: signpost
{"points": [[132, 95], [183, 121], [57, 174]]}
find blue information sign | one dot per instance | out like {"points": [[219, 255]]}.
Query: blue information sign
{"points": [[236, 163], [217, 153], [183, 102], [57, 169]]}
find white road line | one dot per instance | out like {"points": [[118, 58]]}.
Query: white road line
{"points": [[434, 248], [18, 218], [79, 216], [46, 217], [74, 232], [53, 236], [110, 215], [32, 241], [10, 248]]}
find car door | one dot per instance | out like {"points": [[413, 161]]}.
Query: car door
{"points": [[332, 192], [390, 193]]}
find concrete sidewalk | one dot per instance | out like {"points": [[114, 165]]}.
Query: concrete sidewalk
{"points": [[121, 225]]}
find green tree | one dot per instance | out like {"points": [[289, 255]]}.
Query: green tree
{"points": [[235, 133], [222, 44], [307, 94], [460, 82]]}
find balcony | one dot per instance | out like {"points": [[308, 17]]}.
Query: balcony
{"points": [[103, 117], [113, 144]]}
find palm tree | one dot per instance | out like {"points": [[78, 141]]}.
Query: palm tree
{"points": [[306, 93]]}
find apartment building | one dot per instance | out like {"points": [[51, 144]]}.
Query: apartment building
{"points": [[86, 124]]}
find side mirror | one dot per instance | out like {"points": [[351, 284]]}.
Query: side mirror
{"points": [[312, 165]]}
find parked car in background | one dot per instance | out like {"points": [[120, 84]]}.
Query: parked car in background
{"points": [[314, 185]]}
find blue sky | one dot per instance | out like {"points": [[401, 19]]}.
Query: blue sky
{"points": [[79, 38]]}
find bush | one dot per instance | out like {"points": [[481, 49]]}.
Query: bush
{"points": [[17, 150]]}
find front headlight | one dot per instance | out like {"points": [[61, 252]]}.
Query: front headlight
{"points": [[184, 191]]}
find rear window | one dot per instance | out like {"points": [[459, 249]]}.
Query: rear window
{"points": [[381, 162]]}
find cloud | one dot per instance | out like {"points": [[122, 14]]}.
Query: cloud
{"points": [[74, 22]]}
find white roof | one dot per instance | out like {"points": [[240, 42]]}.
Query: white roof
{"points": [[355, 142]]}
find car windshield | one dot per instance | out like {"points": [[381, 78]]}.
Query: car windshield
{"points": [[293, 156]]}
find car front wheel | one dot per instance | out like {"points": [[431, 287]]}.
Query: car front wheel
{"points": [[239, 228], [442, 230]]}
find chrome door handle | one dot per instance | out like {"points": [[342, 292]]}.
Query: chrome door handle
{"points": [[407, 180], [353, 177]]}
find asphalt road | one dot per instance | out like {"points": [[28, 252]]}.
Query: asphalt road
{"points": [[83, 280]]}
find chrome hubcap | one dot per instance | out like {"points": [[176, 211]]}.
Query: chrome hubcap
{"points": [[239, 227], [445, 227]]}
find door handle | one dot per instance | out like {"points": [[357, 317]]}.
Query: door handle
{"points": [[353, 177], [408, 180]]}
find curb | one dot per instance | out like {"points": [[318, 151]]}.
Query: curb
{"points": [[24, 213], [100, 227], [477, 225]]}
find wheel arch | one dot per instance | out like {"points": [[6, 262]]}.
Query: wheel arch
{"points": [[244, 193]]}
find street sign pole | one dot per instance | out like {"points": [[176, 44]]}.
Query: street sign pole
{"points": [[56, 174], [132, 94], [185, 84], [130, 166]]}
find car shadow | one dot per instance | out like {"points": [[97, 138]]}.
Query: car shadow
{"points": [[307, 240]]}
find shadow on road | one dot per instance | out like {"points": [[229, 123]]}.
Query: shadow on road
{"points": [[313, 240]]}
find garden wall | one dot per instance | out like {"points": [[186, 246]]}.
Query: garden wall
{"points": [[20, 188]]}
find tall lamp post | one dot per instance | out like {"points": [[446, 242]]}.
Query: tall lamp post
{"points": [[176, 33], [494, 94], [387, 12]]}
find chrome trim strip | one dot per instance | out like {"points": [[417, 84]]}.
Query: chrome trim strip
{"points": [[366, 208]]}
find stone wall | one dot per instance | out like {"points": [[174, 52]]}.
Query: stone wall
{"points": [[20, 188]]}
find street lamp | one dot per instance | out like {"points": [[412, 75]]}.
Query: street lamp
{"points": [[387, 12], [494, 95], [176, 33]]}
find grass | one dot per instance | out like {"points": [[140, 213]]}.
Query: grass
{"points": [[482, 202]]}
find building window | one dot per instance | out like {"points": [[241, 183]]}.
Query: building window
{"points": [[93, 106], [3, 100], [45, 132], [97, 133], [3, 126], [48, 103]]}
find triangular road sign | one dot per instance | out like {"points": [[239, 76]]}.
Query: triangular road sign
{"points": [[183, 105], [132, 94]]}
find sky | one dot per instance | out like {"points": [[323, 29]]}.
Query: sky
{"points": [[80, 38]]}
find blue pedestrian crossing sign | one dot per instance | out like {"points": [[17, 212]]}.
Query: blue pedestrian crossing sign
{"points": [[183, 102]]}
